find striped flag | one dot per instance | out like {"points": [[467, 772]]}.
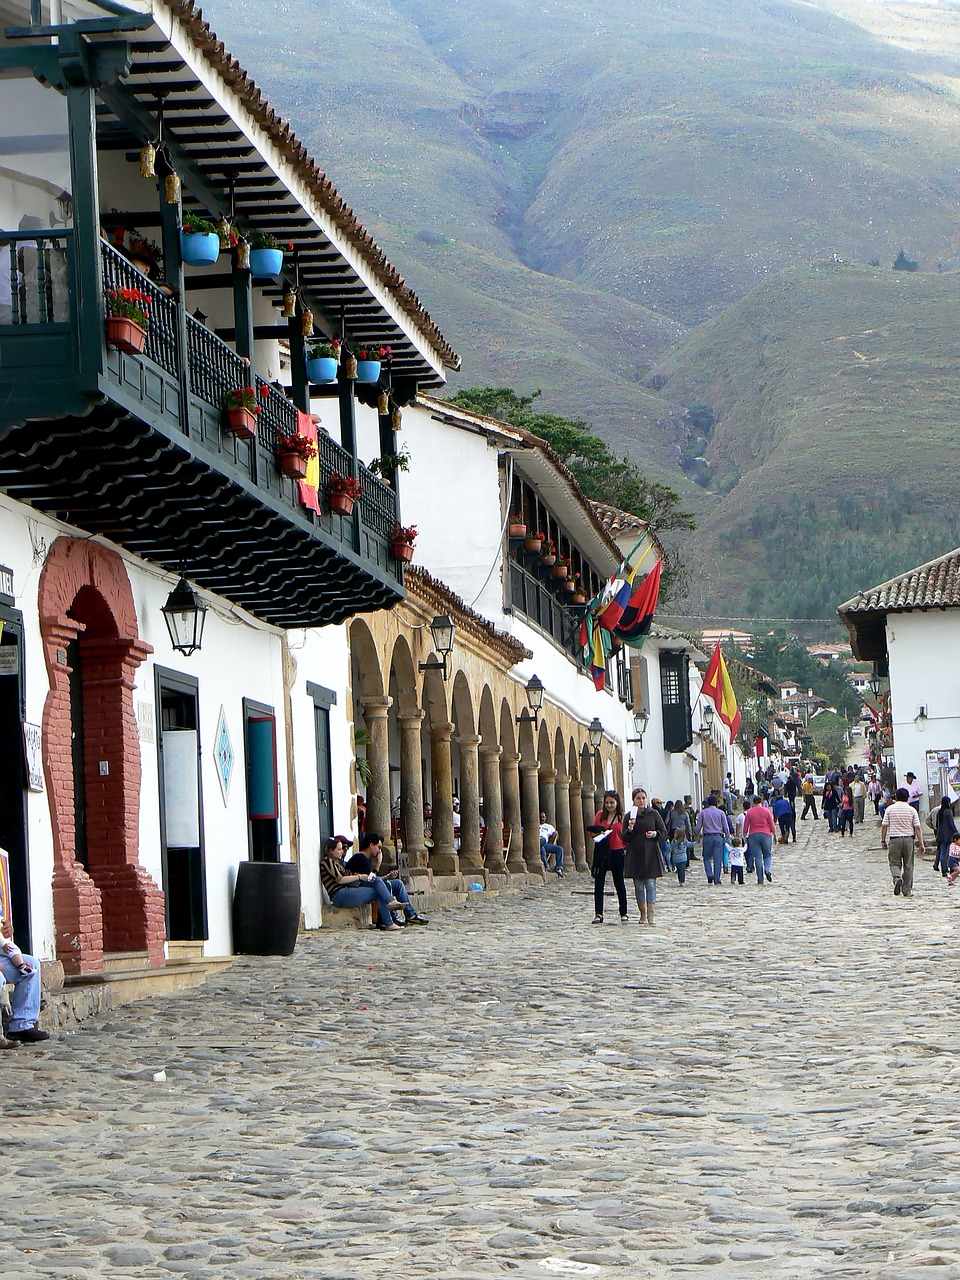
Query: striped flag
{"points": [[718, 687], [308, 487], [637, 617]]}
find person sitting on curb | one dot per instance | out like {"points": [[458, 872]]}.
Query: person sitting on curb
{"points": [[24, 972], [355, 889], [548, 845], [369, 859]]}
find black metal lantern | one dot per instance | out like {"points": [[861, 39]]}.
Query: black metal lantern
{"points": [[875, 684], [534, 691], [443, 631], [707, 712], [641, 719], [595, 732], [184, 613]]}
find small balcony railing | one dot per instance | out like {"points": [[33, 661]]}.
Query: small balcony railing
{"points": [[539, 605]]}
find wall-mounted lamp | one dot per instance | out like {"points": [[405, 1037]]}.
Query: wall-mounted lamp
{"points": [[184, 613], [534, 691], [200, 316], [707, 712], [641, 719], [875, 683], [595, 733], [442, 630]]}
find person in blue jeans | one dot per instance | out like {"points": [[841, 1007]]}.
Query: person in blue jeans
{"points": [[370, 859], [549, 846], [714, 826], [356, 888], [24, 973]]}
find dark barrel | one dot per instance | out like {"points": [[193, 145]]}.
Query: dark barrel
{"points": [[266, 908]]}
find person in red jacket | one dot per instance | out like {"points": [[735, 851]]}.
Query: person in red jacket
{"points": [[607, 831], [759, 830]]}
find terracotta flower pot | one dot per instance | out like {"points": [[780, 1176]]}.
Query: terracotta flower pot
{"points": [[548, 560], [341, 504], [532, 544], [578, 598], [402, 551], [241, 422], [292, 465], [568, 584], [518, 530], [126, 335], [559, 571]]}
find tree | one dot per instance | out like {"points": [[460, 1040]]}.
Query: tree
{"points": [[902, 263]]}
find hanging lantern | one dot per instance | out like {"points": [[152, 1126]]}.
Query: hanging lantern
{"points": [[307, 322], [171, 188], [395, 418], [243, 255], [383, 404], [223, 230], [148, 156], [350, 365]]}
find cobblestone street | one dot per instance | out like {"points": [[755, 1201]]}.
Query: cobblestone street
{"points": [[760, 1085]]}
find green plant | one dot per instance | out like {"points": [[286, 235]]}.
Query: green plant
{"points": [[263, 240], [348, 485], [194, 225], [128, 304], [388, 462], [242, 398], [377, 351], [140, 247], [326, 349], [294, 442], [361, 738], [404, 533]]}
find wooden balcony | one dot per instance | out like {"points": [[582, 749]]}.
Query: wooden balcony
{"points": [[132, 448]]}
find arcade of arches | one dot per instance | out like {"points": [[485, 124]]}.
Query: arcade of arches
{"points": [[469, 736]]}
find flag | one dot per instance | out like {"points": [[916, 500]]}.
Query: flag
{"points": [[718, 687], [638, 615], [598, 659], [308, 487]]}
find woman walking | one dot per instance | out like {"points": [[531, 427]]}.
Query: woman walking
{"points": [[607, 830], [831, 805], [681, 834], [759, 829], [945, 832], [846, 811], [644, 831]]}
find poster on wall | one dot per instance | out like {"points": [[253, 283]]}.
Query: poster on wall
{"points": [[943, 776], [32, 738], [223, 755], [6, 901]]}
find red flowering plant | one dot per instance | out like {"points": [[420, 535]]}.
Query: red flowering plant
{"points": [[375, 351], [129, 304], [324, 350], [264, 390], [349, 486], [242, 398], [406, 533], [294, 442]]}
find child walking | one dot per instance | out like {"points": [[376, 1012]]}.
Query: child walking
{"points": [[738, 859]]}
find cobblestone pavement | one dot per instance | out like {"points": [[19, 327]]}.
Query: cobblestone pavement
{"points": [[760, 1085]]}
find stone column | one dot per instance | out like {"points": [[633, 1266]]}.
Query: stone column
{"points": [[375, 711], [547, 798], [589, 811], [492, 808], [470, 859], [578, 835], [411, 793], [530, 801], [444, 859], [562, 819], [512, 816]]}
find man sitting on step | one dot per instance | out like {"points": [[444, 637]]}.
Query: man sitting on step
{"points": [[24, 972], [369, 859]]}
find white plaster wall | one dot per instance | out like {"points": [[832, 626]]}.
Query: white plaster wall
{"points": [[920, 646], [670, 775]]}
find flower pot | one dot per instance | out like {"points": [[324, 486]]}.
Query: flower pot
{"points": [[322, 369], [548, 560], [517, 530], [292, 465], [559, 571], [341, 504], [568, 584], [198, 249], [241, 422], [578, 598], [126, 335], [368, 370], [532, 544], [266, 262], [402, 551]]}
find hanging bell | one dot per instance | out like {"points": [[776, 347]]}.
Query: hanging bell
{"points": [[148, 156], [223, 229], [171, 188], [289, 304], [243, 255], [350, 365], [395, 418], [383, 404], [307, 321]]}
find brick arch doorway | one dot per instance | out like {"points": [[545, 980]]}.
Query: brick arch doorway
{"points": [[103, 900]]}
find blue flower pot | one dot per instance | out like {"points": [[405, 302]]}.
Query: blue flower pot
{"points": [[199, 250], [368, 370], [266, 262], [322, 369]]}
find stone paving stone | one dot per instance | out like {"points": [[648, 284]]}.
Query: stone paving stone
{"points": [[760, 1085]]}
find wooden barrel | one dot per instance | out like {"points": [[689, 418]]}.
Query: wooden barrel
{"points": [[266, 908]]}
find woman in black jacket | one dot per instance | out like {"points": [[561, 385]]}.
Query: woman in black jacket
{"points": [[945, 832], [643, 830]]}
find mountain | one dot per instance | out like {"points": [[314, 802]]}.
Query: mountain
{"points": [[583, 193]]}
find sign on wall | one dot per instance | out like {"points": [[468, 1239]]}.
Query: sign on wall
{"points": [[223, 755], [943, 776], [33, 756]]}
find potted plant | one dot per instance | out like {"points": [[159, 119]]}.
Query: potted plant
{"points": [[561, 569], [548, 553], [294, 451], [370, 356], [569, 585], [266, 256], [342, 493], [199, 241], [240, 411], [517, 526], [401, 541], [144, 254], [322, 360], [534, 543], [127, 319], [579, 596], [389, 463]]}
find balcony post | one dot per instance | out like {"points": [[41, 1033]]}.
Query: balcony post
{"points": [[299, 391], [86, 231], [243, 313], [173, 274]]}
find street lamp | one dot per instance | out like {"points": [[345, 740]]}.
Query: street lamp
{"points": [[534, 691], [641, 719], [875, 683], [442, 630], [184, 613], [595, 733], [707, 713]]}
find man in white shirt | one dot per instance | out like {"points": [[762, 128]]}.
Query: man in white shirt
{"points": [[901, 834], [914, 791], [456, 823], [548, 845], [859, 789]]}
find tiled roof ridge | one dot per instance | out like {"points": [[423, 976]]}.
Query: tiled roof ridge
{"points": [[423, 583], [280, 130], [614, 516], [912, 589]]}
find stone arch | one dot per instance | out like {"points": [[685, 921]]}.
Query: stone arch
{"points": [[508, 728], [403, 678], [487, 719], [371, 704], [404, 788], [546, 779], [366, 675], [86, 609]]}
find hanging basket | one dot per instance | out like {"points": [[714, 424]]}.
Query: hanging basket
{"points": [[341, 504], [292, 465], [368, 370], [532, 545], [241, 422], [518, 530], [321, 369], [568, 584], [402, 551], [265, 263], [126, 335], [548, 560], [559, 571], [578, 598], [199, 249]]}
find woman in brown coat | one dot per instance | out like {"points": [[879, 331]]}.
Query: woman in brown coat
{"points": [[643, 829]]}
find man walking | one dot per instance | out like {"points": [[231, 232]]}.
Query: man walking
{"points": [[809, 798], [902, 835], [858, 789], [914, 791]]}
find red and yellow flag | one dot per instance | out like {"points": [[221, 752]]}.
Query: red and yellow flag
{"points": [[718, 687]]}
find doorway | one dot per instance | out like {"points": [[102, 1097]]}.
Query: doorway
{"points": [[13, 781], [263, 784], [181, 807], [323, 700]]}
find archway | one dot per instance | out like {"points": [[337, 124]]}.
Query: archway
{"points": [[466, 772], [370, 734], [103, 900], [436, 732], [405, 718]]}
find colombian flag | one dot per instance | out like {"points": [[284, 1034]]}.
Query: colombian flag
{"points": [[717, 687], [308, 487], [638, 615]]}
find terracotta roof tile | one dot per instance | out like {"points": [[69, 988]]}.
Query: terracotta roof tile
{"points": [[934, 585]]}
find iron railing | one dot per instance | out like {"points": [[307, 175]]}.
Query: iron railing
{"points": [[161, 310], [535, 601]]}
